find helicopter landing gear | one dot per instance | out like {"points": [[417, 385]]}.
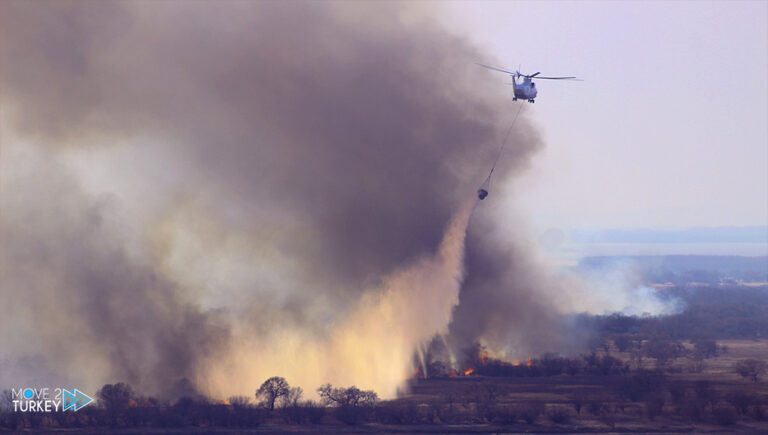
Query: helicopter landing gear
{"points": [[531, 101], [514, 98]]}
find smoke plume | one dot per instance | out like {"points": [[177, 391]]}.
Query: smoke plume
{"points": [[202, 195]]}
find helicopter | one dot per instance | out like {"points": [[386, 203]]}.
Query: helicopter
{"points": [[526, 89]]}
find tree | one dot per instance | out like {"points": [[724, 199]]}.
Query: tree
{"points": [[704, 348], [351, 396], [750, 368], [351, 403], [293, 397], [663, 350], [623, 343], [115, 397], [272, 389]]}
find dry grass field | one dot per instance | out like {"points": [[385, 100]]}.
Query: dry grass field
{"points": [[640, 400], [594, 403]]}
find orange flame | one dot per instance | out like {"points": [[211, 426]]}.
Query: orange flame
{"points": [[469, 371], [417, 374], [483, 357], [143, 403]]}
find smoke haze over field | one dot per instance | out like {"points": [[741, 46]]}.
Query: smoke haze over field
{"points": [[202, 197]]}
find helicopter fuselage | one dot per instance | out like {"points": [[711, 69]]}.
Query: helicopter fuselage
{"points": [[525, 90]]}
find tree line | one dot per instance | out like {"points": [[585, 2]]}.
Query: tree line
{"points": [[119, 406]]}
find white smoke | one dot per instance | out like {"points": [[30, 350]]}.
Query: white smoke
{"points": [[617, 290], [617, 287]]}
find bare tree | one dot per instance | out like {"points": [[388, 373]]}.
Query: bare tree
{"points": [[351, 396], [115, 397], [272, 389], [293, 397], [705, 348], [750, 368], [352, 404], [663, 350]]}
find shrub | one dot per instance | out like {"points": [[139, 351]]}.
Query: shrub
{"points": [[530, 413], [759, 413], [741, 401], [654, 405], [724, 415], [352, 415], [303, 413], [505, 415], [391, 413], [750, 368], [559, 415]]}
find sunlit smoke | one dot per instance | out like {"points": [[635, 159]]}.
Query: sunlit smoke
{"points": [[373, 346]]}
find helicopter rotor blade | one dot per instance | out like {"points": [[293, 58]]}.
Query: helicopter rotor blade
{"points": [[496, 69], [518, 74], [558, 78]]}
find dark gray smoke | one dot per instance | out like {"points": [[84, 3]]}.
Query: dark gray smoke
{"points": [[73, 298], [276, 159], [505, 302]]}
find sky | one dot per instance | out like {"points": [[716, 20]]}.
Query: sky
{"points": [[669, 128]]}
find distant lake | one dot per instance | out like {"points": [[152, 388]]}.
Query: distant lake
{"points": [[575, 251]]}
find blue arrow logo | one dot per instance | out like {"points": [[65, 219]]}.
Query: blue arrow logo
{"points": [[75, 399]]}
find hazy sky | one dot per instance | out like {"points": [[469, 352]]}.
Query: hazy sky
{"points": [[669, 128]]}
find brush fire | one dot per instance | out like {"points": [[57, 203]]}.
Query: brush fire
{"points": [[478, 361], [486, 365]]}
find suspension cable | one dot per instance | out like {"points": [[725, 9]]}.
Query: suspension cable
{"points": [[487, 184]]}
